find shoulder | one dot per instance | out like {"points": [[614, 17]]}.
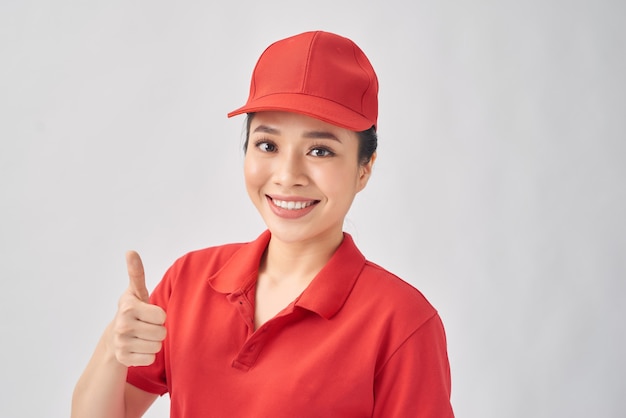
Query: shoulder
{"points": [[198, 265], [390, 285], [378, 288], [391, 314], [393, 297]]}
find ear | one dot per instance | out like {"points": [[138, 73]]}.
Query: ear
{"points": [[365, 171]]}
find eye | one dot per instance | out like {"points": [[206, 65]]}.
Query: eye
{"points": [[321, 152], [265, 146]]}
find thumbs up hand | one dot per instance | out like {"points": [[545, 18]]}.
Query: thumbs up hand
{"points": [[137, 277], [138, 329]]}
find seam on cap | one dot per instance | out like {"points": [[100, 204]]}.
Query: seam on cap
{"points": [[369, 84], [308, 60]]}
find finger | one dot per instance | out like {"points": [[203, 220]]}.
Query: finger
{"points": [[151, 314], [132, 351], [136, 276], [147, 347], [148, 332], [139, 346], [131, 309]]}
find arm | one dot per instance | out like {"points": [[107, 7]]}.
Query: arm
{"points": [[132, 339], [102, 389], [415, 381]]}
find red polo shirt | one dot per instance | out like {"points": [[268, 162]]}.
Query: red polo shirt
{"points": [[358, 342]]}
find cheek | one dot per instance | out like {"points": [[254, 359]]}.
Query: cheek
{"points": [[338, 181], [253, 173], [248, 171]]}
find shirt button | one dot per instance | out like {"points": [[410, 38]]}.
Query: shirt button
{"points": [[251, 347]]}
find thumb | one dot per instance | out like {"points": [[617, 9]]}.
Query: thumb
{"points": [[136, 276]]}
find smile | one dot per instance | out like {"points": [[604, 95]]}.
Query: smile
{"points": [[292, 205]]}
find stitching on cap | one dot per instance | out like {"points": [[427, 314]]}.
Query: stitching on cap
{"points": [[308, 59], [369, 85]]}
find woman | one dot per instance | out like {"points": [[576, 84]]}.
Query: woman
{"points": [[296, 323]]}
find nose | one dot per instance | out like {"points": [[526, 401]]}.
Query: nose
{"points": [[290, 170]]}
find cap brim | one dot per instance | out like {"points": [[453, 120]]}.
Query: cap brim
{"points": [[315, 107]]}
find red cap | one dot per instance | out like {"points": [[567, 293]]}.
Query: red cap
{"points": [[318, 74]]}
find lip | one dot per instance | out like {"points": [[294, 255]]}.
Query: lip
{"points": [[291, 213]]}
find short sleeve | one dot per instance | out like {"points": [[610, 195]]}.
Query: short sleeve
{"points": [[415, 381], [153, 378]]}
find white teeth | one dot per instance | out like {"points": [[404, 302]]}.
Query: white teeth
{"points": [[291, 205]]}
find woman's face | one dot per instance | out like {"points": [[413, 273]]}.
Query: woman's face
{"points": [[302, 175]]}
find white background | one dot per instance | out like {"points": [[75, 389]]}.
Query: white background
{"points": [[498, 191]]}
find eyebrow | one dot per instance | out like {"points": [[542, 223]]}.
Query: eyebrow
{"points": [[266, 129], [309, 134], [321, 135]]}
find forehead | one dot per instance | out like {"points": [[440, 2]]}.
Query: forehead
{"points": [[278, 123]]}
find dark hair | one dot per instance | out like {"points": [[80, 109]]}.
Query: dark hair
{"points": [[368, 141]]}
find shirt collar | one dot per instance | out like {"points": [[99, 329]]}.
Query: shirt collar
{"points": [[329, 290], [325, 295], [241, 270]]}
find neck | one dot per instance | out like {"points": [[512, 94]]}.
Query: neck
{"points": [[300, 261]]}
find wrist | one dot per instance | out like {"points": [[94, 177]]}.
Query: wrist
{"points": [[108, 348]]}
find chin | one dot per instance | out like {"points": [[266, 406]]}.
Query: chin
{"points": [[289, 234], [299, 233]]}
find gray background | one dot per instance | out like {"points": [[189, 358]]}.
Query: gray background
{"points": [[498, 190]]}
